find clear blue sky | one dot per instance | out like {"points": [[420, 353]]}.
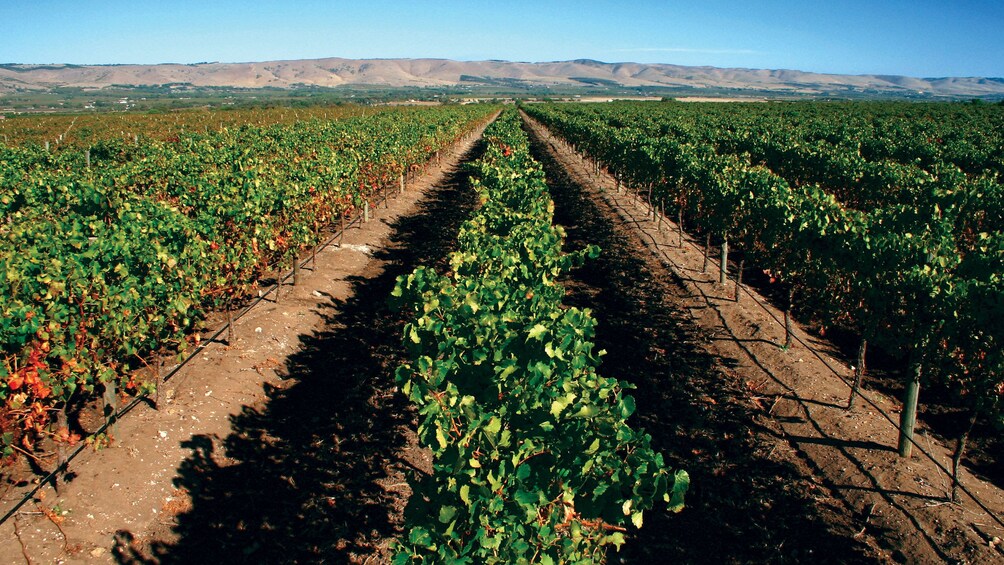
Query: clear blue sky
{"points": [[917, 38]]}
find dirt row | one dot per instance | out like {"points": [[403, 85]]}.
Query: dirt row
{"points": [[767, 428]]}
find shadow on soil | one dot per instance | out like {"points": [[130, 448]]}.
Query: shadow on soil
{"points": [[743, 507], [299, 478]]}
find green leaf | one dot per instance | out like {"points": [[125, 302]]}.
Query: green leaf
{"points": [[508, 370], [446, 514], [520, 546], [537, 331], [494, 426], [522, 472], [627, 406], [561, 403], [419, 536], [681, 482], [526, 498], [616, 538]]}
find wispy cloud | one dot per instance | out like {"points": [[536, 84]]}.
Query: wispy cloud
{"points": [[690, 50]]}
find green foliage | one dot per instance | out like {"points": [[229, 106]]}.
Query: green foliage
{"points": [[103, 266], [533, 459], [887, 216]]}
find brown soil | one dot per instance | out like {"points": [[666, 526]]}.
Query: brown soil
{"points": [[293, 444], [782, 472]]}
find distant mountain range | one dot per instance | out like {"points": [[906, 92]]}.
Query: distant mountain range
{"points": [[336, 72]]}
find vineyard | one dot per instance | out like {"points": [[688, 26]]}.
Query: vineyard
{"points": [[884, 220], [76, 132], [112, 254], [434, 392]]}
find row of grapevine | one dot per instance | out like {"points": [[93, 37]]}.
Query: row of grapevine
{"points": [[532, 458], [111, 256], [958, 156], [74, 132], [902, 275]]}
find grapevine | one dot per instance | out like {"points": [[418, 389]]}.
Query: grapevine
{"points": [[533, 460]]}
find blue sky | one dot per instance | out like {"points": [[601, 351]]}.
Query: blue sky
{"points": [[917, 38]]}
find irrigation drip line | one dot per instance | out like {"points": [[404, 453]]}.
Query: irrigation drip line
{"points": [[807, 346], [384, 197]]}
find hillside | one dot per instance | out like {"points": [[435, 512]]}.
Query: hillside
{"points": [[336, 72]]}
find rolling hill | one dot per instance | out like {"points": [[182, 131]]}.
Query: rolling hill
{"points": [[336, 72]]}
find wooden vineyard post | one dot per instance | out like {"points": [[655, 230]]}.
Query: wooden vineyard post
{"points": [[908, 417], [788, 330], [707, 246], [87, 158], [366, 211], [296, 270], [400, 182], [317, 243], [960, 449], [679, 224], [739, 278], [156, 379], [723, 268], [62, 423], [109, 401], [859, 371]]}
